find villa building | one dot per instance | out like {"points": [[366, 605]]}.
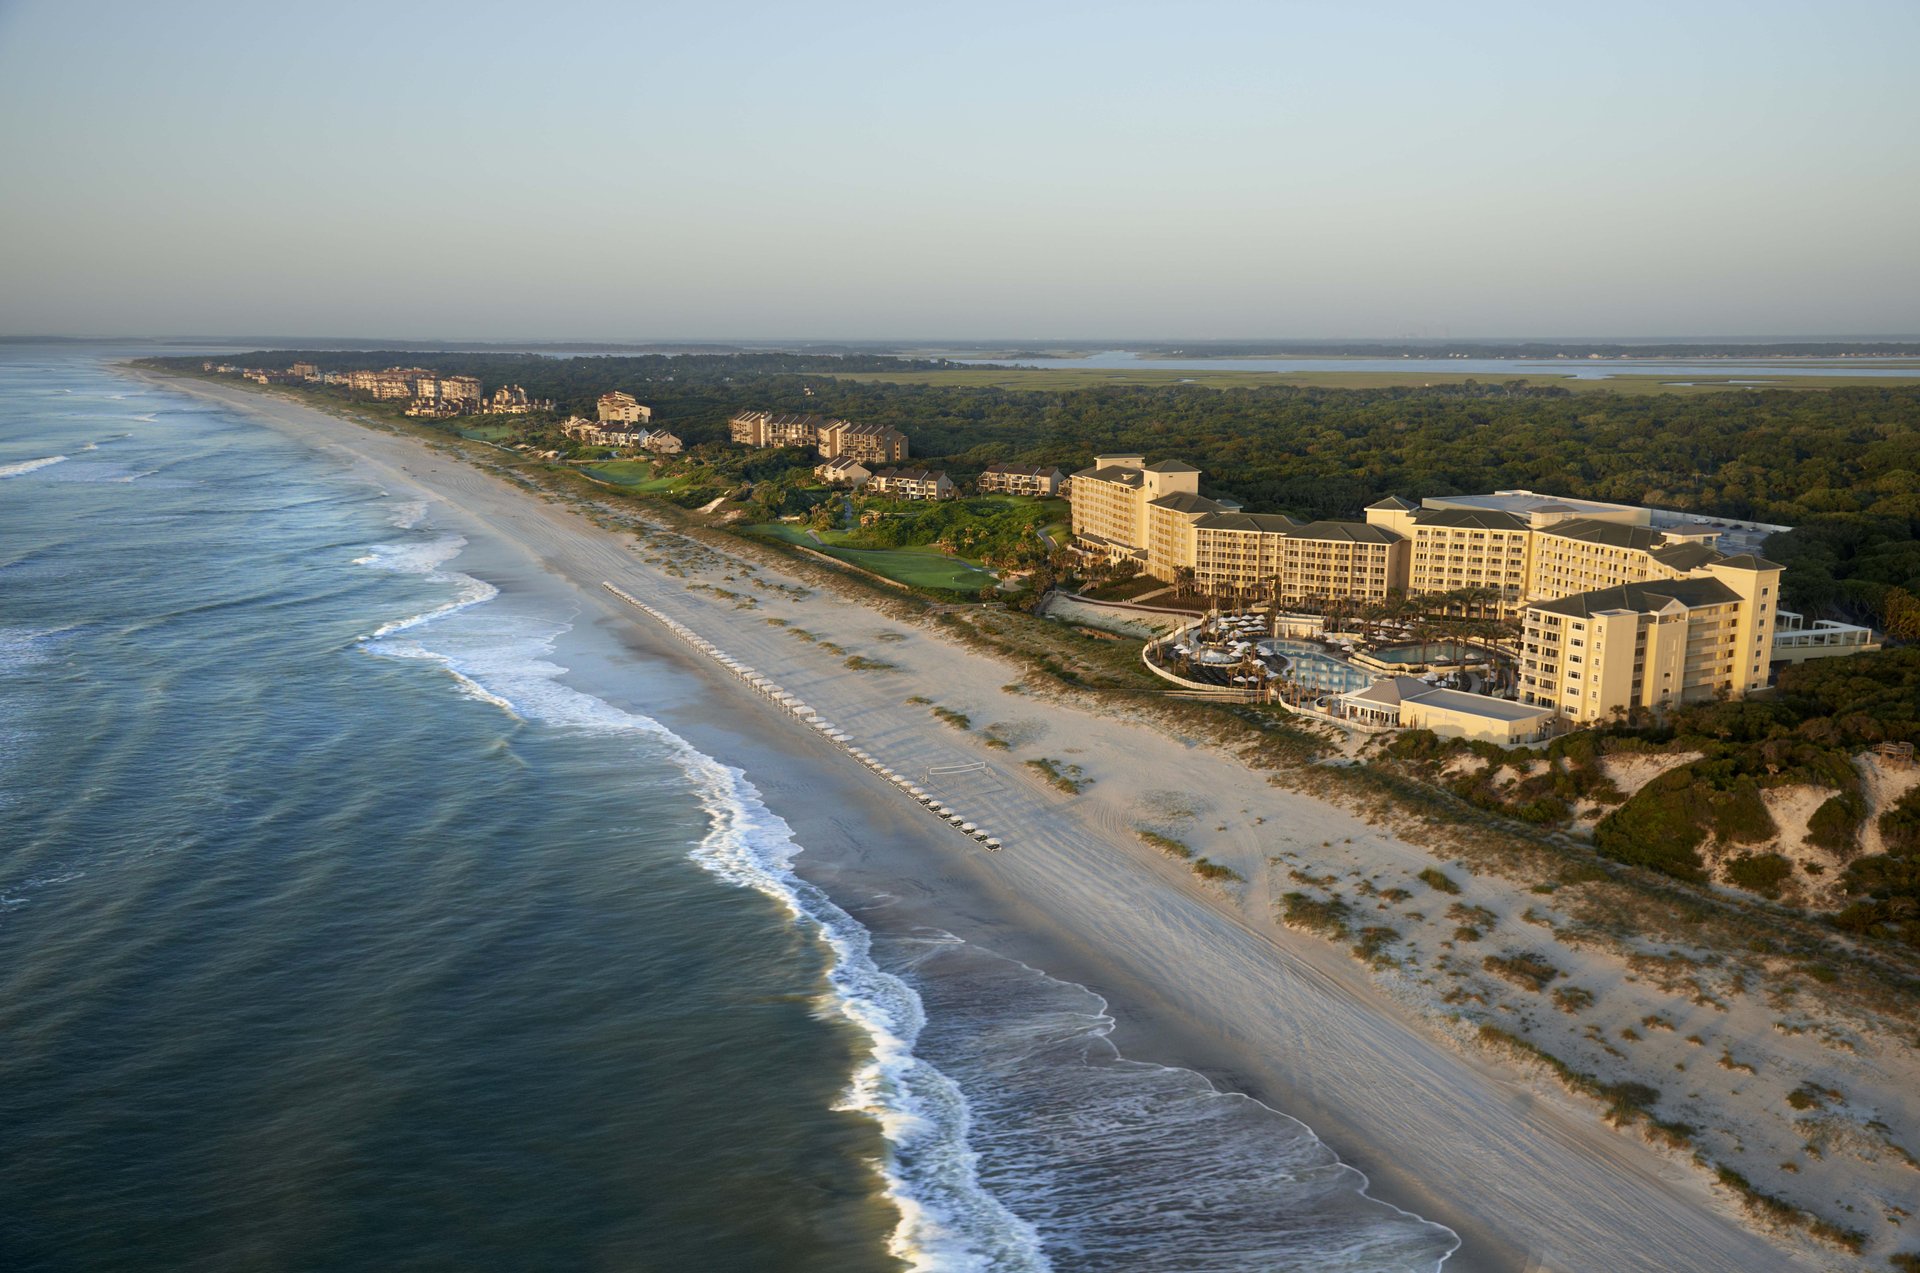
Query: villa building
{"points": [[843, 471], [1592, 655], [513, 400], [868, 443], [1020, 479], [605, 432], [623, 408], [911, 484]]}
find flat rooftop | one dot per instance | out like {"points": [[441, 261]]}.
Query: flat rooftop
{"points": [[1522, 503]]}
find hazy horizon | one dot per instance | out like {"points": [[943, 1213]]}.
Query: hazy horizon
{"points": [[855, 171]]}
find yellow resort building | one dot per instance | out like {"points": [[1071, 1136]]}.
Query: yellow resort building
{"points": [[1596, 655]]}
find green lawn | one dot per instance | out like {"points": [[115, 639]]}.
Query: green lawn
{"points": [[636, 474], [915, 567]]}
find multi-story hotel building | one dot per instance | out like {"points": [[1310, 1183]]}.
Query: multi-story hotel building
{"points": [[1255, 556], [1592, 655], [869, 443], [1020, 479], [1125, 508], [623, 408]]}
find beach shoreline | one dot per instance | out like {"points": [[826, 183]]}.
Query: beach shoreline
{"points": [[1190, 981]]}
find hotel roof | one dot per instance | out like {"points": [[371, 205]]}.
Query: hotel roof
{"points": [[1171, 466], [1642, 598], [1355, 532], [1127, 477], [1395, 502], [1185, 502], [1468, 518], [1269, 522], [1609, 534]]}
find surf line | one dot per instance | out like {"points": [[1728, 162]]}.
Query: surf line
{"points": [[792, 705]]}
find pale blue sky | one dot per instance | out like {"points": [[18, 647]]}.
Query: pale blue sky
{"points": [[839, 170]]}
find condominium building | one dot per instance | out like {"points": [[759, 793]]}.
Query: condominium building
{"points": [[660, 442], [305, 370], [869, 443], [460, 392], [771, 429], [911, 484], [1020, 479], [1593, 655], [623, 408]]}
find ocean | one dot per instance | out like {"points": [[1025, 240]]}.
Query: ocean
{"points": [[338, 931]]}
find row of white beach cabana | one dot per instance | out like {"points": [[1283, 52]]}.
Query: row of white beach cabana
{"points": [[806, 715]]}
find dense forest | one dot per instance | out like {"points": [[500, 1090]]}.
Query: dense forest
{"points": [[1842, 466]]}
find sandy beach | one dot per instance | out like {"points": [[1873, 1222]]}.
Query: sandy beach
{"points": [[1195, 974]]}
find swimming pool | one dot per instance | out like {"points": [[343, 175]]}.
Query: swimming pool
{"points": [[1309, 666], [1446, 653]]}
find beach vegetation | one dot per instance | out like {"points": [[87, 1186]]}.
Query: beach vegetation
{"points": [[1165, 843], [1572, 999], [1522, 968], [959, 720], [1215, 872], [1438, 880], [1373, 942], [1762, 873], [861, 663], [1063, 777], [1309, 914]]}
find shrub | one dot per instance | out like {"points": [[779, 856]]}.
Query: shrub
{"points": [[1572, 999], [1656, 829], [1165, 843], [1835, 825], [1438, 881], [1214, 871], [1067, 778], [1761, 873], [1522, 969], [1374, 940], [1328, 918], [1900, 825]]}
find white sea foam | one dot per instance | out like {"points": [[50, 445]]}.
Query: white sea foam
{"points": [[947, 1221], [409, 514], [425, 557], [28, 466]]}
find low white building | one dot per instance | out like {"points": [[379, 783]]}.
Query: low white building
{"points": [[1406, 702]]}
